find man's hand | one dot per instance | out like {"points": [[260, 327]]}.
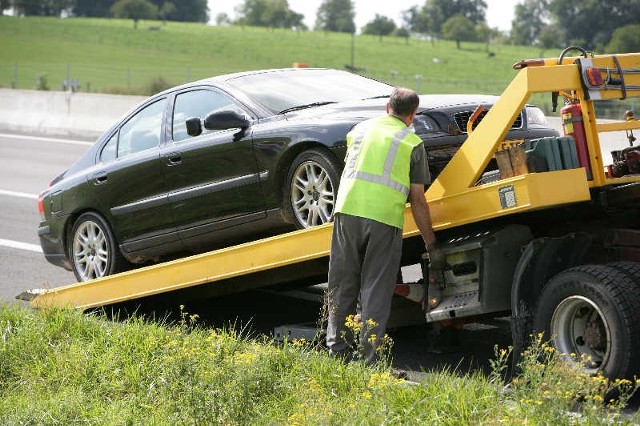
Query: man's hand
{"points": [[437, 258]]}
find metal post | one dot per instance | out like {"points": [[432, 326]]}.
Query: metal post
{"points": [[14, 84], [418, 80], [128, 78], [353, 49]]}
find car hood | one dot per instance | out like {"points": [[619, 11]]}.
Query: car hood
{"points": [[368, 108]]}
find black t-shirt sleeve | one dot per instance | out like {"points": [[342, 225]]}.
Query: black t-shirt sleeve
{"points": [[419, 171]]}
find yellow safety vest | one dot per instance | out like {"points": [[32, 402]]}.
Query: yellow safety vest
{"points": [[375, 181]]}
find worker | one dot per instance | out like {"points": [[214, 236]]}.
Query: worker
{"points": [[385, 164]]}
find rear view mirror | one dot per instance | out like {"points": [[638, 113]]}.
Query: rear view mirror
{"points": [[225, 120]]}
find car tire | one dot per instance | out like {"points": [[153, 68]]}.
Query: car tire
{"points": [[93, 250], [311, 188], [592, 312]]}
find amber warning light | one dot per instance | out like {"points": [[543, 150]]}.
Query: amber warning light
{"points": [[594, 77]]}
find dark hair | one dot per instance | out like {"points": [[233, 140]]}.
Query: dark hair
{"points": [[403, 101]]}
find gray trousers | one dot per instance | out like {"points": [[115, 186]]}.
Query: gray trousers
{"points": [[363, 267]]}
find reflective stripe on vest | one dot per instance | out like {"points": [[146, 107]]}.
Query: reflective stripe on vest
{"points": [[375, 181], [385, 178]]}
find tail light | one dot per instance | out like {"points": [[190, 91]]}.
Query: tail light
{"points": [[41, 206]]}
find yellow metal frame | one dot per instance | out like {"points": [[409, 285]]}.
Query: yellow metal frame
{"points": [[453, 197], [269, 253]]}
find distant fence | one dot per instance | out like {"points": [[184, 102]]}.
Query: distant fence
{"points": [[139, 81]]}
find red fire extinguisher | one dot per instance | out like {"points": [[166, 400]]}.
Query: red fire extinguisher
{"points": [[573, 125]]}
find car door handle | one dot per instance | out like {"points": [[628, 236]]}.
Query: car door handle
{"points": [[174, 159], [100, 178]]}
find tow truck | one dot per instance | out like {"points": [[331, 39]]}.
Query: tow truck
{"points": [[551, 237]]}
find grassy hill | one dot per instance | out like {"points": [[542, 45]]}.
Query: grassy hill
{"points": [[110, 55]]}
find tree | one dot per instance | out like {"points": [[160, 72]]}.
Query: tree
{"points": [[591, 23], [434, 13], [336, 15], [380, 26], [402, 32], [186, 10], [269, 13], [529, 20], [42, 7], [550, 37], [458, 28], [134, 9], [440, 11], [169, 10], [416, 20], [486, 34], [166, 10], [625, 39], [222, 19], [93, 8]]}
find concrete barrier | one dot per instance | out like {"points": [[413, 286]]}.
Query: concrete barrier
{"points": [[79, 115]]}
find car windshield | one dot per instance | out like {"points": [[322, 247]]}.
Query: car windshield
{"points": [[290, 89]]}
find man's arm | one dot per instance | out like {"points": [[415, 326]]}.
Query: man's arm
{"points": [[420, 211]]}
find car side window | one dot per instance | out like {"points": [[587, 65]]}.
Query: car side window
{"points": [[198, 103], [109, 150], [142, 131]]}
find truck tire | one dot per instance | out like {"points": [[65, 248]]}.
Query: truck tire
{"points": [[311, 188], [631, 269], [592, 312]]}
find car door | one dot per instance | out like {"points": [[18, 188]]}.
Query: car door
{"points": [[129, 181], [213, 178]]}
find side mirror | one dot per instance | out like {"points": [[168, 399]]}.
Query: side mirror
{"points": [[194, 126], [225, 120]]}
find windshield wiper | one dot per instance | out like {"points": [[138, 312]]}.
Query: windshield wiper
{"points": [[377, 97], [311, 105]]}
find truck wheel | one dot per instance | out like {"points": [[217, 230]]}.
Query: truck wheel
{"points": [[630, 269], [311, 188], [93, 249], [593, 313]]}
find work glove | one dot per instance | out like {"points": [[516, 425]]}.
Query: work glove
{"points": [[437, 258]]}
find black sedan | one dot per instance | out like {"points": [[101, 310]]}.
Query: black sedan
{"points": [[228, 159]]}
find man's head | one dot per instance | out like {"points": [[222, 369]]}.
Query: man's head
{"points": [[403, 103]]}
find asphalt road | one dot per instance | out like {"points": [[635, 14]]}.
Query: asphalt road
{"points": [[29, 164]]}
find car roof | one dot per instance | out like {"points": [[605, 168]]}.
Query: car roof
{"points": [[227, 77], [427, 101]]}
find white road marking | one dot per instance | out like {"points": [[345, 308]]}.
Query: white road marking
{"points": [[18, 194], [21, 246], [39, 138]]}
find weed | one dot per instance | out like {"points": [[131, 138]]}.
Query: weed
{"points": [[63, 367]]}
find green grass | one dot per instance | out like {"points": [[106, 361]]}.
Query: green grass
{"points": [[103, 54], [65, 367]]}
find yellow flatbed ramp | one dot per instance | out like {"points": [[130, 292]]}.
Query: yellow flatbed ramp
{"points": [[455, 199]]}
